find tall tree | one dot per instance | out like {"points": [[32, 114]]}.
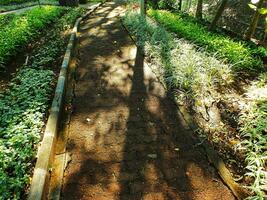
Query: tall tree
{"points": [[199, 9], [68, 2], [254, 21], [218, 14], [180, 5]]}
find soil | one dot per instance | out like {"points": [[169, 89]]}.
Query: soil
{"points": [[127, 139]]}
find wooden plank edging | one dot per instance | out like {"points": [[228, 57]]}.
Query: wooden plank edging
{"points": [[41, 174]]}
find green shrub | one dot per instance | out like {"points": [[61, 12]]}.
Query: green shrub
{"points": [[6, 2], [23, 107], [24, 28], [5, 20], [236, 52]]}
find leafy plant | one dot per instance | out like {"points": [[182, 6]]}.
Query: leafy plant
{"points": [[23, 107], [24, 28], [5, 2], [253, 125]]}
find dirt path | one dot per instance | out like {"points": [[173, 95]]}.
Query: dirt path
{"points": [[126, 139]]}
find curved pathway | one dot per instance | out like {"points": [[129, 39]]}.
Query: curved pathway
{"points": [[127, 140]]}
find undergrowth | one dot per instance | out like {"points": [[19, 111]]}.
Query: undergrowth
{"points": [[253, 127], [23, 107], [22, 29]]}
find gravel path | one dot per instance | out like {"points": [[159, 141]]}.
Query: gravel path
{"points": [[126, 139]]}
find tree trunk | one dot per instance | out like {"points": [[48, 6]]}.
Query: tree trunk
{"points": [[218, 14], [68, 2], [180, 5], [199, 9], [254, 22]]}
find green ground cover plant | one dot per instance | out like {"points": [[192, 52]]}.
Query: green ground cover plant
{"points": [[10, 7], [239, 54], [24, 28], [197, 76], [23, 108], [5, 2], [253, 126], [5, 20]]}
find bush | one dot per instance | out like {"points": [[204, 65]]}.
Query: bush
{"points": [[7, 2], [23, 107], [236, 52], [5, 20], [24, 28]]}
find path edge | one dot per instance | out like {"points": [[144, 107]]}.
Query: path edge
{"points": [[41, 174]]}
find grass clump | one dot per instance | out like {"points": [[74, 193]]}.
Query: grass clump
{"points": [[5, 19], [241, 56], [22, 29], [23, 107], [6, 2], [253, 128]]}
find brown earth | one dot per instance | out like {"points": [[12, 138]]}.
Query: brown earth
{"points": [[126, 137]]}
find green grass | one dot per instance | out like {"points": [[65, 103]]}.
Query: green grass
{"points": [[10, 7], [23, 29], [253, 127], [23, 107], [5, 20], [5, 2], [23, 3], [235, 52]]}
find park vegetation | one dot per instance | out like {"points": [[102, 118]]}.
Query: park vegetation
{"points": [[24, 104]]}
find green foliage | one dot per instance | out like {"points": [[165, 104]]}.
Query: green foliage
{"points": [[23, 107], [5, 19], [262, 11], [253, 128], [24, 28], [6, 2], [10, 7], [235, 52]]}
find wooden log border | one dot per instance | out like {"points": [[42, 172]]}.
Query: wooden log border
{"points": [[41, 174]]}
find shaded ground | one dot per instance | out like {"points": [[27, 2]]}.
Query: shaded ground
{"points": [[126, 139]]}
